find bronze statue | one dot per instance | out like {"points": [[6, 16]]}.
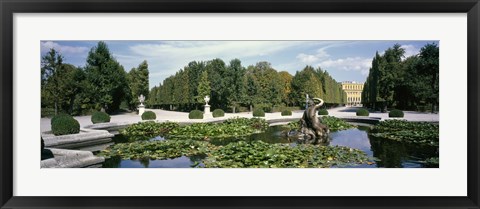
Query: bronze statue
{"points": [[311, 125]]}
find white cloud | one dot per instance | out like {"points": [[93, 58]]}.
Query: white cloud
{"points": [[306, 58], [359, 64], [410, 50], [47, 45], [312, 58], [169, 57]]}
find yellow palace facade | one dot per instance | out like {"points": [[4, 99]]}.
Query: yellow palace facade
{"points": [[354, 92]]}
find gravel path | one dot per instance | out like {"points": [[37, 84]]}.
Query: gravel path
{"points": [[163, 115]]}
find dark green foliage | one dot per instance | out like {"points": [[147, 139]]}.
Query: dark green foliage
{"points": [[395, 113], [232, 86], [404, 131], [405, 83], [258, 154], [100, 117], [323, 112], [64, 125], [362, 112], [203, 88], [218, 113], [258, 113], [286, 113], [107, 84], [149, 115], [195, 114], [147, 130], [59, 115], [138, 83], [432, 162]]}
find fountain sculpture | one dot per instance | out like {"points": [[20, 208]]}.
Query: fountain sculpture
{"points": [[314, 131]]}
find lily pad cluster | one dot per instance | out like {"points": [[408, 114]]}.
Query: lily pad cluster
{"points": [[235, 127], [241, 154], [410, 132], [157, 150], [336, 124], [258, 154], [146, 130], [333, 123]]}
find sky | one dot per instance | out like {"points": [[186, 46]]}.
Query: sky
{"points": [[344, 60]]}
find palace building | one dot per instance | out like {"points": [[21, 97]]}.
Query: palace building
{"points": [[354, 92]]}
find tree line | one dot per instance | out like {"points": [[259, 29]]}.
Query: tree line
{"points": [[407, 84], [103, 84], [232, 87]]}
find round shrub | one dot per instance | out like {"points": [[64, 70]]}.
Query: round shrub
{"points": [[149, 115], [100, 117], [323, 112], [195, 114], [59, 115], [362, 112], [218, 113], [64, 125], [395, 113], [286, 113], [258, 113]]}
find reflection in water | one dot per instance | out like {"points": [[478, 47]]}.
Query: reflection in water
{"points": [[180, 162], [388, 153]]}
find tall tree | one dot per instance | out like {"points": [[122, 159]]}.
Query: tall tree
{"points": [[203, 88], [107, 78], [429, 67], [306, 82], [51, 73], [389, 68], [138, 83], [286, 80], [234, 84]]}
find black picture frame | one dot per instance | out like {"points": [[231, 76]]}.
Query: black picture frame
{"points": [[9, 7]]}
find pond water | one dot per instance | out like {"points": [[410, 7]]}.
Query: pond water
{"points": [[387, 153]]}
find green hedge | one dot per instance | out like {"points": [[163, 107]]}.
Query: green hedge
{"points": [[362, 112], [149, 115], [258, 113], [65, 124], [218, 113], [59, 115], [323, 112], [195, 114], [395, 114], [100, 117], [286, 113]]}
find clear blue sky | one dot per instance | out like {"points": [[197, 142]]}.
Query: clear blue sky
{"points": [[344, 60]]}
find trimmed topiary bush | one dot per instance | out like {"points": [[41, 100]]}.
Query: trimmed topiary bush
{"points": [[362, 112], [149, 115], [258, 113], [323, 112], [59, 115], [100, 117], [66, 124], [286, 113], [218, 113], [195, 114], [395, 113]]}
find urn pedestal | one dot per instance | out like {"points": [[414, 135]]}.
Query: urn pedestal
{"points": [[206, 112], [141, 109]]}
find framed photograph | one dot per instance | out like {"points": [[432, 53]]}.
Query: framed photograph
{"points": [[265, 104]]}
